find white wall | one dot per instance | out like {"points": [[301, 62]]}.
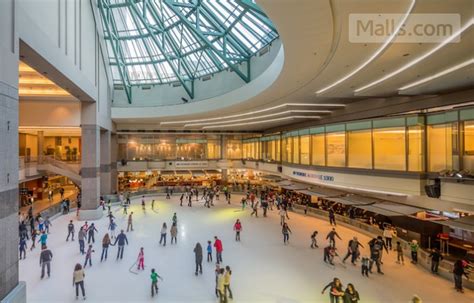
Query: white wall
{"points": [[50, 113], [64, 33]]}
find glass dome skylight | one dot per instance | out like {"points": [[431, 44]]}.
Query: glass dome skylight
{"points": [[166, 41]]}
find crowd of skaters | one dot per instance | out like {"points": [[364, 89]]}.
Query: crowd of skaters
{"points": [[264, 200]]}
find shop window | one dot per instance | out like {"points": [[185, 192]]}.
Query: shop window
{"points": [[389, 148], [213, 149], [234, 149], [318, 147], [296, 150], [359, 149], [287, 149], [416, 154], [336, 149], [304, 149], [468, 153], [442, 147], [277, 150]]}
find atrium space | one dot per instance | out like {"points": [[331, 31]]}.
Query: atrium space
{"points": [[324, 149]]}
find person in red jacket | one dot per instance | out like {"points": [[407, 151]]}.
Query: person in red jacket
{"points": [[237, 229], [219, 249]]}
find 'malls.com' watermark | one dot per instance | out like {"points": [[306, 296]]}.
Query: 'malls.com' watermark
{"points": [[417, 28]]}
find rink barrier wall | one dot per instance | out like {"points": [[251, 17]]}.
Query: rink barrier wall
{"points": [[445, 267], [17, 294]]}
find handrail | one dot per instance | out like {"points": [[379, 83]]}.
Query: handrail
{"points": [[60, 164]]}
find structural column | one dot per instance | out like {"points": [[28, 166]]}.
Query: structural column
{"points": [[105, 159], [10, 288], [40, 146], [113, 163], [90, 172]]}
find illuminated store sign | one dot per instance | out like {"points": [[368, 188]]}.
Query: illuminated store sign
{"points": [[313, 176], [187, 164]]}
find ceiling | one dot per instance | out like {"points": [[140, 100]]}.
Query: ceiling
{"points": [[35, 86], [319, 57]]}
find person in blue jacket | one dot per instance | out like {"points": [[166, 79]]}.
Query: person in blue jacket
{"points": [[121, 240]]}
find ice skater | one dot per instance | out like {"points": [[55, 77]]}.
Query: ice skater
{"points": [[78, 280], [164, 229], [313, 239], [81, 236], [365, 266], [47, 225], [285, 230], [141, 259], [237, 229], [221, 286], [219, 248], [105, 247], [143, 202], [283, 215], [89, 256], [154, 282], [153, 204], [45, 261], [22, 246], [399, 250], [332, 237], [130, 222], [332, 216], [254, 209], [70, 231], [112, 227], [329, 253], [91, 233], [336, 293], [175, 218], [209, 251], [121, 240], [353, 250], [198, 258], [43, 238], [34, 234], [227, 275], [174, 233]]}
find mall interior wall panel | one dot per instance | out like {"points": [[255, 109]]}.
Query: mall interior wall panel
{"points": [[50, 113]]}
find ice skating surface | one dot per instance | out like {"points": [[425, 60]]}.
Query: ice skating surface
{"points": [[263, 269]]}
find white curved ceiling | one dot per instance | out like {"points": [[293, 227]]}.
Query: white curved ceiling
{"points": [[318, 53]]}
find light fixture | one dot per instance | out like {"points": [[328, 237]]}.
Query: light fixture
{"points": [[374, 55], [257, 111], [262, 121], [437, 75], [257, 117], [419, 59]]}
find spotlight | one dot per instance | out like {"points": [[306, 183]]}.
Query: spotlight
{"points": [[184, 100]]}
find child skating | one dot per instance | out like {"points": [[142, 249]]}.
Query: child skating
{"points": [[209, 251], [154, 282], [313, 239], [141, 259]]}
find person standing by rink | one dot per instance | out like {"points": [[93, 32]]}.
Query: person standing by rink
{"points": [[435, 258], [143, 202], [209, 251], [78, 280], [45, 261], [81, 236], [335, 291], [414, 251], [105, 247], [154, 282], [141, 259], [121, 239], [458, 272], [164, 229], [332, 237], [91, 233], [399, 250], [130, 222], [198, 258], [237, 229], [388, 235], [174, 233], [70, 231], [285, 230], [313, 239], [219, 249], [89, 256]]}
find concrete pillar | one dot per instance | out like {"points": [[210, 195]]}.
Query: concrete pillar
{"points": [[40, 146], [10, 288], [90, 172], [105, 159], [113, 163]]}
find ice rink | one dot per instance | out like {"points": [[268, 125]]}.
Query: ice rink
{"points": [[264, 270]]}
